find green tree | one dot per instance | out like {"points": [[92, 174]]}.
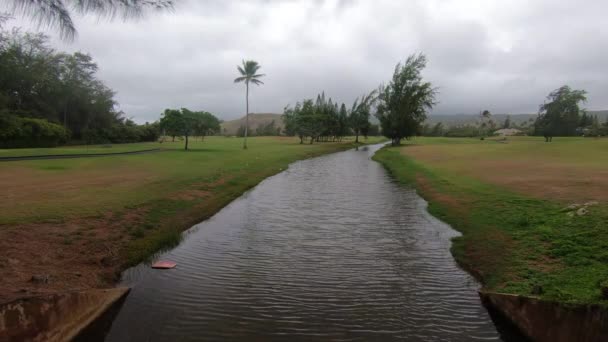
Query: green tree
{"points": [[39, 82], [58, 13], [206, 124], [249, 74], [360, 114], [405, 101], [171, 123], [343, 124], [507, 123], [560, 114]]}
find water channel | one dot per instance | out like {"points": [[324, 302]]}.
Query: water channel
{"points": [[330, 249]]}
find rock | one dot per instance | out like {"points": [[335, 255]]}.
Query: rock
{"points": [[590, 203], [581, 211], [12, 261], [40, 279], [570, 214], [573, 206]]}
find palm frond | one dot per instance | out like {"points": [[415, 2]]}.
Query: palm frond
{"points": [[240, 79], [56, 13]]}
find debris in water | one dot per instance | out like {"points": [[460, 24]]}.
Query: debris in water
{"points": [[164, 264]]}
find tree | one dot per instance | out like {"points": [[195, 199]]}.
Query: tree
{"points": [[404, 102], [206, 124], [57, 13], [561, 115], [360, 113], [507, 123], [38, 82], [486, 124], [343, 124], [171, 122], [187, 123], [248, 72]]}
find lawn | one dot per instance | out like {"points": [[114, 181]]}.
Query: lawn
{"points": [[508, 198], [92, 217], [80, 149]]}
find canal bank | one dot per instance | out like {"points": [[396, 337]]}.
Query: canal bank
{"points": [[329, 249], [534, 257]]}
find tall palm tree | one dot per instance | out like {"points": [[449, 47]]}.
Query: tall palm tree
{"points": [[56, 13], [249, 74]]}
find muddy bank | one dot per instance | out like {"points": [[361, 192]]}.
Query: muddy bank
{"points": [[546, 321], [56, 317]]}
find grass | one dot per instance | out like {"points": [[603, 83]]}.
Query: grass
{"points": [[517, 239], [134, 205], [80, 149]]}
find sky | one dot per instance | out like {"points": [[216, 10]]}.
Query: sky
{"points": [[504, 56]]}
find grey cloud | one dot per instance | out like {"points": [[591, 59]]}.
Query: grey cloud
{"points": [[504, 56]]}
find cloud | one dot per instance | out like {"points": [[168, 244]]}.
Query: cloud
{"points": [[504, 56]]}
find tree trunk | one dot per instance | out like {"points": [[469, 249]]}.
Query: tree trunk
{"points": [[246, 114], [173, 138], [186, 147], [356, 136]]}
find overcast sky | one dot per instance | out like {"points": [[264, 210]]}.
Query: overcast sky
{"points": [[505, 56]]}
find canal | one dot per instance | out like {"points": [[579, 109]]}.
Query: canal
{"points": [[330, 249]]}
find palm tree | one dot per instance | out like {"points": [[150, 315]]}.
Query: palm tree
{"points": [[249, 74], [56, 13]]}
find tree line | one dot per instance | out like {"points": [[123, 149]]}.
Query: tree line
{"points": [[324, 120], [186, 123], [48, 97], [559, 115], [401, 107]]}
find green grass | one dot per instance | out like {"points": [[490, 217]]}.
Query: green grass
{"points": [[513, 242], [171, 190], [80, 149]]}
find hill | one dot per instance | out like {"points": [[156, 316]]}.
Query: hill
{"points": [[255, 121]]}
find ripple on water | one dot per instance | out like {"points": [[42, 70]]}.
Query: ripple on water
{"points": [[330, 249]]}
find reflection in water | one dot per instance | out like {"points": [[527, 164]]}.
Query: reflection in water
{"points": [[330, 249]]}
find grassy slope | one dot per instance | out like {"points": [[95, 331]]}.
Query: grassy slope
{"points": [[170, 190], [513, 242]]}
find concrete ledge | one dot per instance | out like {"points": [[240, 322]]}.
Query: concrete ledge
{"points": [[56, 317], [542, 320]]}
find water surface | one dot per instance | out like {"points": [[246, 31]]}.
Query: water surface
{"points": [[330, 249]]}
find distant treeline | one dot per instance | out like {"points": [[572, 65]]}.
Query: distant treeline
{"points": [[48, 98], [560, 115], [324, 120]]}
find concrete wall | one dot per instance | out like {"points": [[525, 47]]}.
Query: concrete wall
{"points": [[551, 321], [56, 317]]}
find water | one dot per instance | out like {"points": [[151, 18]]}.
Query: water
{"points": [[330, 249]]}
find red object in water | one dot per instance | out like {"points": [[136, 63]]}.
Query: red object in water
{"points": [[164, 264]]}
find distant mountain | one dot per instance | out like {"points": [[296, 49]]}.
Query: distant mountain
{"points": [[463, 119], [255, 121]]}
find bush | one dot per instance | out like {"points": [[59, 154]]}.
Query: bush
{"points": [[121, 133], [30, 132]]}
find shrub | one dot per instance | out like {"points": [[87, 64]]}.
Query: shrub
{"points": [[30, 132]]}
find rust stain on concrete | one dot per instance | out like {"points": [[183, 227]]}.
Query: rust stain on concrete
{"points": [[55, 317]]}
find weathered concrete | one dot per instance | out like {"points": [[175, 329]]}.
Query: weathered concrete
{"points": [[551, 321], [56, 317]]}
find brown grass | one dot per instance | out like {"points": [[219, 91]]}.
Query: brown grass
{"points": [[561, 181]]}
